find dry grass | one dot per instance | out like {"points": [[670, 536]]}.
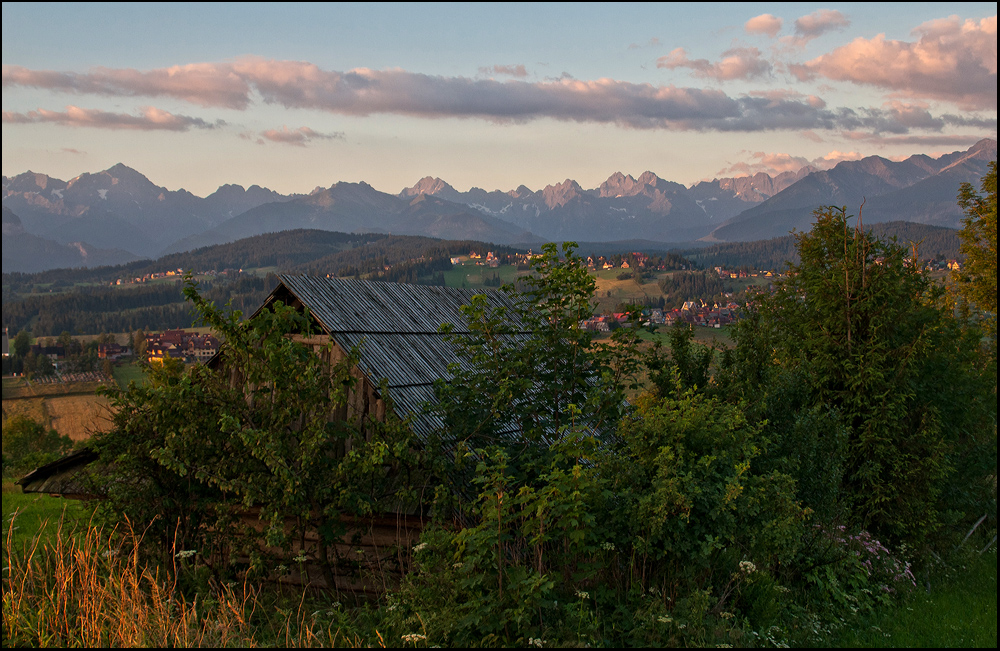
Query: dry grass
{"points": [[78, 416], [93, 590]]}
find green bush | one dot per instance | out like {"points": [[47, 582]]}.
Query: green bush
{"points": [[28, 445]]}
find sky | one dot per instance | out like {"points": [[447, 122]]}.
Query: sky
{"points": [[297, 96]]}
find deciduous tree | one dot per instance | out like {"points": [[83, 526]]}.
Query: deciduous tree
{"points": [[977, 281]]}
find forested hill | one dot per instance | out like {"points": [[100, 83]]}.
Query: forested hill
{"points": [[85, 301], [933, 242], [295, 251]]}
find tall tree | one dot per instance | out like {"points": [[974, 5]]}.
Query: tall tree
{"points": [[977, 282], [876, 342]]}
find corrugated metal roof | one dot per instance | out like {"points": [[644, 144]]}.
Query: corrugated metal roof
{"points": [[395, 327], [360, 306]]}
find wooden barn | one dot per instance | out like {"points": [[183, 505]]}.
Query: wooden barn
{"points": [[396, 330]]}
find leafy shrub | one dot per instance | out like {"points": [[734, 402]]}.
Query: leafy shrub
{"points": [[189, 453], [28, 445]]}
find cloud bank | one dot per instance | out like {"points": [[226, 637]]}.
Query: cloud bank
{"points": [[940, 65], [150, 119]]}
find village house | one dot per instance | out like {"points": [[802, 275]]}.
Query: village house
{"points": [[112, 351], [181, 345]]}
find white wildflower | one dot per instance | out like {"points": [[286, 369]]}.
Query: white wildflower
{"points": [[184, 553], [747, 567], [419, 548], [413, 638], [582, 595], [536, 642]]}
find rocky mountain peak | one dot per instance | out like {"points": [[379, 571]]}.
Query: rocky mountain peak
{"points": [[561, 193], [428, 185], [648, 178]]}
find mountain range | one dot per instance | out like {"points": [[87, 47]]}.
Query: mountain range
{"points": [[118, 214]]}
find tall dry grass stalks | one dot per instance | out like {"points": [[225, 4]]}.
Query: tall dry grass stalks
{"points": [[91, 590]]}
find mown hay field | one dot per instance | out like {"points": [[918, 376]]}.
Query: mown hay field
{"points": [[72, 409], [78, 416]]}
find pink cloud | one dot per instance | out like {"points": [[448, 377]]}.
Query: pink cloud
{"points": [[297, 137], [205, 84], [150, 119], [737, 63], [363, 92], [774, 163], [952, 60], [815, 25], [764, 24], [819, 22], [831, 159]]}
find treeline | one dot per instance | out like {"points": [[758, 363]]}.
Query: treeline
{"points": [[298, 251], [284, 250], [78, 309], [92, 310], [774, 254], [370, 259]]}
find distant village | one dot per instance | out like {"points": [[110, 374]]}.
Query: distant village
{"points": [[173, 273], [169, 344]]}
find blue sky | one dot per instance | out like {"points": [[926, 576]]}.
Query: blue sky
{"points": [[297, 96]]}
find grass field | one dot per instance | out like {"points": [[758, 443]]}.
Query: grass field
{"points": [[126, 373], [38, 514], [97, 597], [73, 409], [473, 276]]}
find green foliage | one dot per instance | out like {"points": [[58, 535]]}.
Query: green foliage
{"points": [[28, 445], [864, 334], [576, 535], [21, 344], [688, 469], [190, 451], [531, 372], [977, 281], [686, 368]]}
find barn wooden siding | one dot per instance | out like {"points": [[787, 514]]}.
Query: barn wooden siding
{"points": [[375, 554]]}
